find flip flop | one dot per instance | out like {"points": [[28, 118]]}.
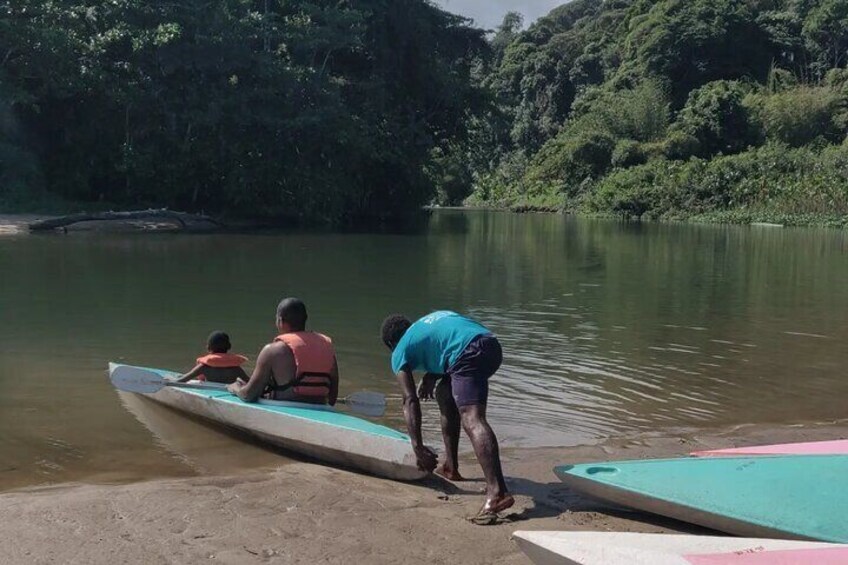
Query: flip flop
{"points": [[497, 519], [490, 508], [488, 514], [484, 519]]}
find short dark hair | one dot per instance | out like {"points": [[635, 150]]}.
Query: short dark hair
{"points": [[293, 312], [218, 342], [393, 329]]}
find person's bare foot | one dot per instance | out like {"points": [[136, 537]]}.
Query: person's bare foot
{"points": [[449, 474]]}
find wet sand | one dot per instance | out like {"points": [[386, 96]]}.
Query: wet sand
{"points": [[307, 513]]}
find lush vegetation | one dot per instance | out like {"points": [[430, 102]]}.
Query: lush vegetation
{"points": [[360, 112], [671, 108], [324, 112]]}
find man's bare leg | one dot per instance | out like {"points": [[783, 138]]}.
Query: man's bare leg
{"points": [[451, 422], [488, 455]]}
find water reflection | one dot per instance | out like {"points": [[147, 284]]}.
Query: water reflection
{"points": [[609, 328], [203, 447], [614, 328]]}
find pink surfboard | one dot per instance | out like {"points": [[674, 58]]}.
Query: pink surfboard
{"points": [[835, 447]]}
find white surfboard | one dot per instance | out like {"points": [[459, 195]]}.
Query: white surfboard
{"points": [[612, 548]]}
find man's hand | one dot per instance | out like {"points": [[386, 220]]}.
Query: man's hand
{"points": [[412, 414], [427, 458], [427, 387], [235, 387]]}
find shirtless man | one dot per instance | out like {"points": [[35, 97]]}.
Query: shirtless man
{"points": [[298, 365]]}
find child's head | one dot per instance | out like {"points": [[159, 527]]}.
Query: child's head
{"points": [[218, 342]]}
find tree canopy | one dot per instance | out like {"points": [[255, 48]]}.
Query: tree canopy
{"points": [[325, 112], [348, 112], [623, 89]]}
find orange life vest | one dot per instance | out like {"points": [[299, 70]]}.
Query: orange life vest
{"points": [[220, 361], [223, 360], [314, 357]]}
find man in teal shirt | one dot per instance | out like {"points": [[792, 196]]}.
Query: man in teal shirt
{"points": [[461, 355]]}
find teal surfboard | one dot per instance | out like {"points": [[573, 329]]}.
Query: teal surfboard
{"points": [[797, 497]]}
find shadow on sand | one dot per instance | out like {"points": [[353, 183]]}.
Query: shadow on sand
{"points": [[553, 499]]}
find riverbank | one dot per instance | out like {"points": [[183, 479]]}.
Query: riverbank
{"points": [[741, 217], [156, 221], [771, 184], [307, 513], [14, 224]]}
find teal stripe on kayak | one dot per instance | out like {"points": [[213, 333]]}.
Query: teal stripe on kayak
{"points": [[322, 414], [318, 414], [806, 495]]}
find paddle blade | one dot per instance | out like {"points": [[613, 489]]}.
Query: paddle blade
{"points": [[371, 404], [135, 379], [148, 381]]}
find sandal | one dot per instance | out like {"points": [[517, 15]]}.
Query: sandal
{"points": [[497, 506]]}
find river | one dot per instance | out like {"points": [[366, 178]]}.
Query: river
{"points": [[609, 329]]}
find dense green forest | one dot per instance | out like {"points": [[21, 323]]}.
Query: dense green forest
{"points": [[291, 109], [360, 111], [735, 109]]}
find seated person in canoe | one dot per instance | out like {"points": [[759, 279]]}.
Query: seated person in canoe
{"points": [[298, 365], [218, 365], [461, 355]]}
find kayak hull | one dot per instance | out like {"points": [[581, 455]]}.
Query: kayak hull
{"points": [[318, 432], [612, 548]]}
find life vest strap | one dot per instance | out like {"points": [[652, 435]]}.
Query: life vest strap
{"points": [[301, 381]]}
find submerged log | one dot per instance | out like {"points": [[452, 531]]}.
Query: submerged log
{"points": [[185, 220]]}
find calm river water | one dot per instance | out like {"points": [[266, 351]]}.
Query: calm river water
{"points": [[609, 329]]}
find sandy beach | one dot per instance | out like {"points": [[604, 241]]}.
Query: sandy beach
{"points": [[309, 513]]}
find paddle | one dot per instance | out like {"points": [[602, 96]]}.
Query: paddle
{"points": [[148, 381]]}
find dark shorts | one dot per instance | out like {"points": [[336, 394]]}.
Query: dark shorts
{"points": [[469, 375]]}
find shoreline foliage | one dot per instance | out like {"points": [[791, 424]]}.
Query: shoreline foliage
{"points": [[674, 108]]}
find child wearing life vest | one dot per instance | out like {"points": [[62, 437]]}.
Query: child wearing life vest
{"points": [[218, 365]]}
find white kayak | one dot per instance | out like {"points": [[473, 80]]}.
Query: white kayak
{"points": [[320, 432], [610, 548]]}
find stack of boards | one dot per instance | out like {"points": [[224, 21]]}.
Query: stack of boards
{"points": [[790, 491]]}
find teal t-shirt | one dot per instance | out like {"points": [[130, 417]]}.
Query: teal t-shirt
{"points": [[434, 342]]}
